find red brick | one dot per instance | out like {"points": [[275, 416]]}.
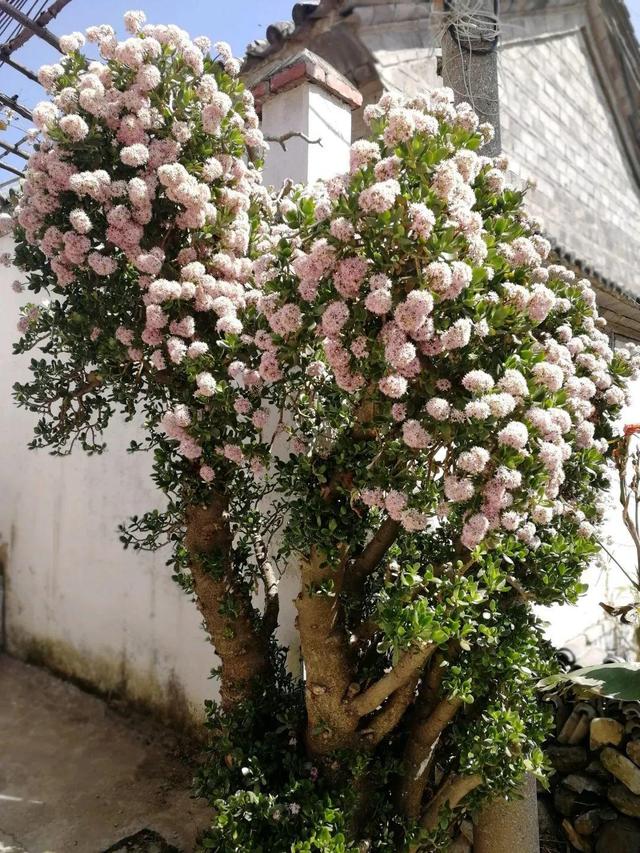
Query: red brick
{"points": [[344, 90], [283, 79], [308, 67], [316, 72], [260, 90]]}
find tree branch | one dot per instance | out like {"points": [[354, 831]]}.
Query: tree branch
{"points": [[391, 713], [451, 793], [292, 134], [372, 554], [325, 647], [94, 380], [271, 583], [624, 501], [422, 740], [365, 632], [226, 608], [272, 599], [409, 665], [522, 592]]}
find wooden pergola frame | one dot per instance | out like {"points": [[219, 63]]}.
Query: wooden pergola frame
{"points": [[29, 27]]}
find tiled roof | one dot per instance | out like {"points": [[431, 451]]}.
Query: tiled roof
{"points": [[329, 28], [280, 31]]}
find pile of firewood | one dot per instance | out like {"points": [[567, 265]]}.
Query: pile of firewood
{"points": [[595, 793]]}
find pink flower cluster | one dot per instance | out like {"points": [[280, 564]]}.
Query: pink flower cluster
{"points": [[416, 333], [152, 218]]}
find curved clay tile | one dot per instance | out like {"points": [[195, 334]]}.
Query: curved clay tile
{"points": [[258, 48], [280, 31], [301, 11]]}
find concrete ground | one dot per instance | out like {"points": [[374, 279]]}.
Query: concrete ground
{"points": [[77, 776]]}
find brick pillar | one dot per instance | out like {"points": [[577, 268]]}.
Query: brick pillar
{"points": [[305, 94]]}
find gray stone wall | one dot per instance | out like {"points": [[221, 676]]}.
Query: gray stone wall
{"points": [[562, 126], [558, 129]]}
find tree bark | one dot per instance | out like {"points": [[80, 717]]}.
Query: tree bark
{"points": [[360, 568], [410, 664], [422, 740], [452, 791], [225, 604], [328, 662]]}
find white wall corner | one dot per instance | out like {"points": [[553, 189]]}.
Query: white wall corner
{"points": [[306, 95]]}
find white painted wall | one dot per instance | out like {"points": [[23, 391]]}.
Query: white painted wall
{"points": [[75, 599], [585, 627], [320, 116], [74, 596]]}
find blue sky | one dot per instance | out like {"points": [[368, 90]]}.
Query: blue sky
{"points": [[634, 8], [235, 21]]}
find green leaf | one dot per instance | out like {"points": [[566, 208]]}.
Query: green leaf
{"points": [[619, 681]]}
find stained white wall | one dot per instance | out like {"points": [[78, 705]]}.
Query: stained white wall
{"points": [[320, 116], [74, 598]]}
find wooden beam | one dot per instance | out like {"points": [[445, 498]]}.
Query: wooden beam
{"points": [[11, 169], [43, 19], [6, 60], [13, 149], [14, 105], [26, 21]]}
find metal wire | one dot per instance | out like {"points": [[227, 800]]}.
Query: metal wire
{"points": [[473, 28]]}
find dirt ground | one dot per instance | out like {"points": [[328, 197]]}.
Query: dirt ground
{"points": [[77, 776]]}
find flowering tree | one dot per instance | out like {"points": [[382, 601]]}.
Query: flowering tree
{"points": [[378, 380]]}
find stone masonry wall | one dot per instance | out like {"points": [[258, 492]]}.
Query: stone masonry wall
{"points": [[558, 126], [558, 129]]}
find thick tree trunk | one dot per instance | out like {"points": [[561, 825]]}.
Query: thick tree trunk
{"points": [[331, 722], [423, 738], [228, 614]]}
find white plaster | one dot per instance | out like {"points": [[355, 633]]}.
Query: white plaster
{"points": [[113, 617], [70, 584], [319, 115], [585, 627]]}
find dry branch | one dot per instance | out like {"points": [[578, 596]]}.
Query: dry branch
{"points": [[292, 134]]}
